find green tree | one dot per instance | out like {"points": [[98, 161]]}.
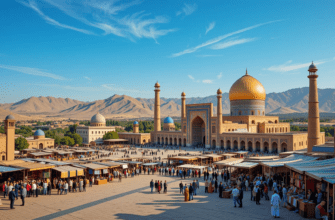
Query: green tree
{"points": [[111, 135], [57, 140], [67, 141], [21, 143], [73, 128], [77, 139]]}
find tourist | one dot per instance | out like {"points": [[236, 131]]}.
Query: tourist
{"points": [[257, 194], [28, 189], [17, 187], [320, 212], [284, 200], [66, 187], [198, 186], [190, 192], [61, 186], [70, 185], [266, 191], [186, 193], [220, 190], [81, 185], [12, 198], [45, 187], [74, 186], [165, 187], [33, 187], [246, 184], [181, 188], [194, 185], [49, 188], [235, 195], [5, 189], [152, 185], [160, 186], [216, 185], [206, 186], [240, 196], [23, 194], [275, 203], [84, 184]]}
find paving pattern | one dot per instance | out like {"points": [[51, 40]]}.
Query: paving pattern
{"points": [[132, 199]]}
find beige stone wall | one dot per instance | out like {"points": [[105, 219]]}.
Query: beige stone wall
{"points": [[41, 143], [2, 147], [136, 138]]}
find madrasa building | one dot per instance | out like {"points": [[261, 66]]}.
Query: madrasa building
{"points": [[246, 128]]}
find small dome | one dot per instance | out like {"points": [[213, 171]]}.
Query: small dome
{"points": [[135, 122], [98, 118], [11, 117], [183, 94], [168, 120], [219, 91], [247, 87], [312, 68], [39, 132], [157, 85]]}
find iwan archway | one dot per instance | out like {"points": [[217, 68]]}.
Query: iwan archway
{"points": [[198, 131]]}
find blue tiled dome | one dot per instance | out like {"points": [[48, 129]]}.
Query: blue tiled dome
{"points": [[135, 122], [168, 120], [39, 132], [11, 117]]}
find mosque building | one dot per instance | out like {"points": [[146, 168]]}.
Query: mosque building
{"points": [[39, 141], [246, 128], [95, 131]]}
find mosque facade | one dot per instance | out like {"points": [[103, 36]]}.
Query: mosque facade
{"points": [[39, 141], [246, 128]]}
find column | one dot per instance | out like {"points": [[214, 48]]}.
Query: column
{"points": [[157, 109], [253, 145], [219, 118]]}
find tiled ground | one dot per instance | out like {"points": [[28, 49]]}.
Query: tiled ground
{"points": [[131, 199]]}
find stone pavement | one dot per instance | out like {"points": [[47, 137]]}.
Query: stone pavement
{"points": [[132, 199]]}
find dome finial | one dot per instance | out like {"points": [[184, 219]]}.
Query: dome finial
{"points": [[246, 71]]}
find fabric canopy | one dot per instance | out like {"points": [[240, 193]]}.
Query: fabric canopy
{"points": [[290, 159]]}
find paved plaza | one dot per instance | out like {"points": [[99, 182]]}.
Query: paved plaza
{"points": [[132, 199]]}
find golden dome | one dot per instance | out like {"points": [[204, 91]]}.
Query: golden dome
{"points": [[219, 92], [247, 87], [157, 85], [183, 94]]}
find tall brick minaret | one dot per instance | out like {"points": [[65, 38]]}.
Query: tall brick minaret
{"points": [[219, 117], [157, 109], [313, 109]]}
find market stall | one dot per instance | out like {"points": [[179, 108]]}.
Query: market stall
{"points": [[247, 168], [10, 172], [241, 154], [99, 172]]}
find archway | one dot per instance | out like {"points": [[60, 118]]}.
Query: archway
{"points": [[179, 142], [184, 142], [242, 145], [213, 143], [250, 146], [235, 145], [40, 146], [228, 144], [284, 147], [170, 141], [198, 131], [175, 141], [274, 147], [258, 146], [144, 141], [166, 141], [222, 144], [131, 140], [158, 140], [266, 146]]}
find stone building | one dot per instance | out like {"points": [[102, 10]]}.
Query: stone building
{"points": [[7, 140], [246, 128], [95, 131], [39, 141], [135, 137]]}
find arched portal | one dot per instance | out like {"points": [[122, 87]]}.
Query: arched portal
{"points": [[250, 146], [235, 145], [166, 141], [175, 141], [222, 145], [40, 146], [258, 146], [184, 142], [284, 147], [274, 147], [144, 141], [213, 143], [179, 142], [242, 145], [198, 131], [170, 141], [158, 140], [228, 144], [266, 146]]}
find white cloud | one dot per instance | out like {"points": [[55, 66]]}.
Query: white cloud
{"points": [[231, 43], [210, 27], [32, 71], [88, 78], [187, 9], [209, 55], [33, 5], [105, 16], [191, 77], [207, 81], [218, 39], [288, 66], [220, 76]]}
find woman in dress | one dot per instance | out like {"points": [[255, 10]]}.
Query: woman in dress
{"points": [[186, 193], [159, 187]]}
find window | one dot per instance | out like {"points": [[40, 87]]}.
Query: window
{"points": [[239, 113], [253, 122], [3, 157], [96, 132], [252, 112], [213, 129]]}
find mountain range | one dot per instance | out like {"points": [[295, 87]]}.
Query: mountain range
{"points": [[122, 106]]}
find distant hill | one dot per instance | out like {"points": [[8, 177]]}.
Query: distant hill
{"points": [[4, 113], [293, 101]]}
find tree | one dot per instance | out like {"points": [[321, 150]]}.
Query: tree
{"points": [[21, 143], [110, 135], [67, 141], [77, 139], [73, 128]]}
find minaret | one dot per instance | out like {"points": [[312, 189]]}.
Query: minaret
{"points": [[219, 117], [313, 109], [183, 108], [157, 110], [136, 127], [10, 137]]}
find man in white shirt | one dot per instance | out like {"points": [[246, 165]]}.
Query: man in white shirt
{"points": [[33, 187], [66, 187], [45, 187], [70, 185]]}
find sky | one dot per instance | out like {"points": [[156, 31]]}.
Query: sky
{"points": [[92, 49]]}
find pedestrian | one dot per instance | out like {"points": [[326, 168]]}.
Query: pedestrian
{"points": [[23, 194], [220, 190], [5, 189], [191, 192], [74, 186], [284, 190], [84, 184], [206, 186], [66, 187], [186, 193], [28, 187], [49, 188], [258, 194], [152, 185], [181, 187], [235, 195], [240, 196], [194, 185], [275, 203], [45, 187], [165, 187], [266, 191], [70, 185], [34, 187], [216, 186], [17, 187], [12, 198]]}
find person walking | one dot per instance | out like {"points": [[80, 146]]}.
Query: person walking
{"points": [[191, 192], [66, 187], [33, 187], [284, 191], [216, 186], [74, 186], [12, 198], [181, 188], [258, 194], [235, 196], [206, 186], [23, 194], [152, 185], [220, 190], [84, 184], [266, 191], [186, 193], [194, 186], [275, 203], [165, 187], [240, 197], [17, 187], [45, 187], [49, 188]]}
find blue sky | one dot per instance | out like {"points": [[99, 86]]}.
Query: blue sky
{"points": [[93, 49]]}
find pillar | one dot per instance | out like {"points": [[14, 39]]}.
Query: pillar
{"points": [[219, 118], [10, 137], [157, 109], [313, 109], [262, 146], [253, 145], [183, 106]]}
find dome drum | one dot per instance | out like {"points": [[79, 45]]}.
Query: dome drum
{"points": [[98, 120], [39, 134], [247, 107]]}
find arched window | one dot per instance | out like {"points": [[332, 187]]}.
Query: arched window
{"points": [[253, 122], [239, 112], [252, 113]]}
